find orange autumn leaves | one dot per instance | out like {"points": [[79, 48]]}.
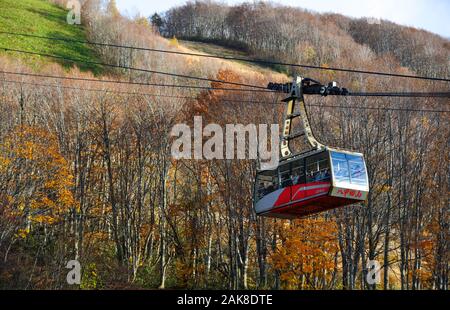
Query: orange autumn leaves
{"points": [[305, 252], [207, 103], [36, 178]]}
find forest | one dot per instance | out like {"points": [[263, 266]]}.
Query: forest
{"points": [[86, 171]]}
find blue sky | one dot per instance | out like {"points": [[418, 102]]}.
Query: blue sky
{"points": [[431, 15]]}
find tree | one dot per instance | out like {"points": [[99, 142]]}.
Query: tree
{"points": [[45, 198], [157, 21], [305, 254], [112, 9]]}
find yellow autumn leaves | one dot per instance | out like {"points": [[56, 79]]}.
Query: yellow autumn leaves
{"points": [[36, 177]]}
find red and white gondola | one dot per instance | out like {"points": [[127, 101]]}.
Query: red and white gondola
{"points": [[312, 183], [321, 179]]}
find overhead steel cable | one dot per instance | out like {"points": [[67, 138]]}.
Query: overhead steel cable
{"points": [[223, 99], [125, 92], [74, 60], [377, 108], [265, 62], [312, 87], [402, 94], [356, 94], [130, 83]]}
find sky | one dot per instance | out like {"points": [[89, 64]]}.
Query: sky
{"points": [[431, 15]]}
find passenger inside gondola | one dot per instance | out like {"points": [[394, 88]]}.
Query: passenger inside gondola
{"points": [[295, 178], [323, 175], [268, 183]]}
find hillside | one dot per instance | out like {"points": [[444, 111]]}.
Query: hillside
{"points": [[274, 32], [42, 18]]}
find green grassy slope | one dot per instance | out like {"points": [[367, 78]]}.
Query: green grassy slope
{"points": [[42, 18]]}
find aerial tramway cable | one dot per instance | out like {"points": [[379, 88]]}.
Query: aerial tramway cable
{"points": [[265, 62]]}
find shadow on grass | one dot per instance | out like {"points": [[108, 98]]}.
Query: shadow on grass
{"points": [[72, 50], [78, 51]]}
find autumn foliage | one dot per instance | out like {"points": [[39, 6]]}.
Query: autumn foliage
{"points": [[305, 254], [86, 170], [36, 179]]}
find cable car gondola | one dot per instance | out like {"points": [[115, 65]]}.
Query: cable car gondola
{"points": [[314, 181]]}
